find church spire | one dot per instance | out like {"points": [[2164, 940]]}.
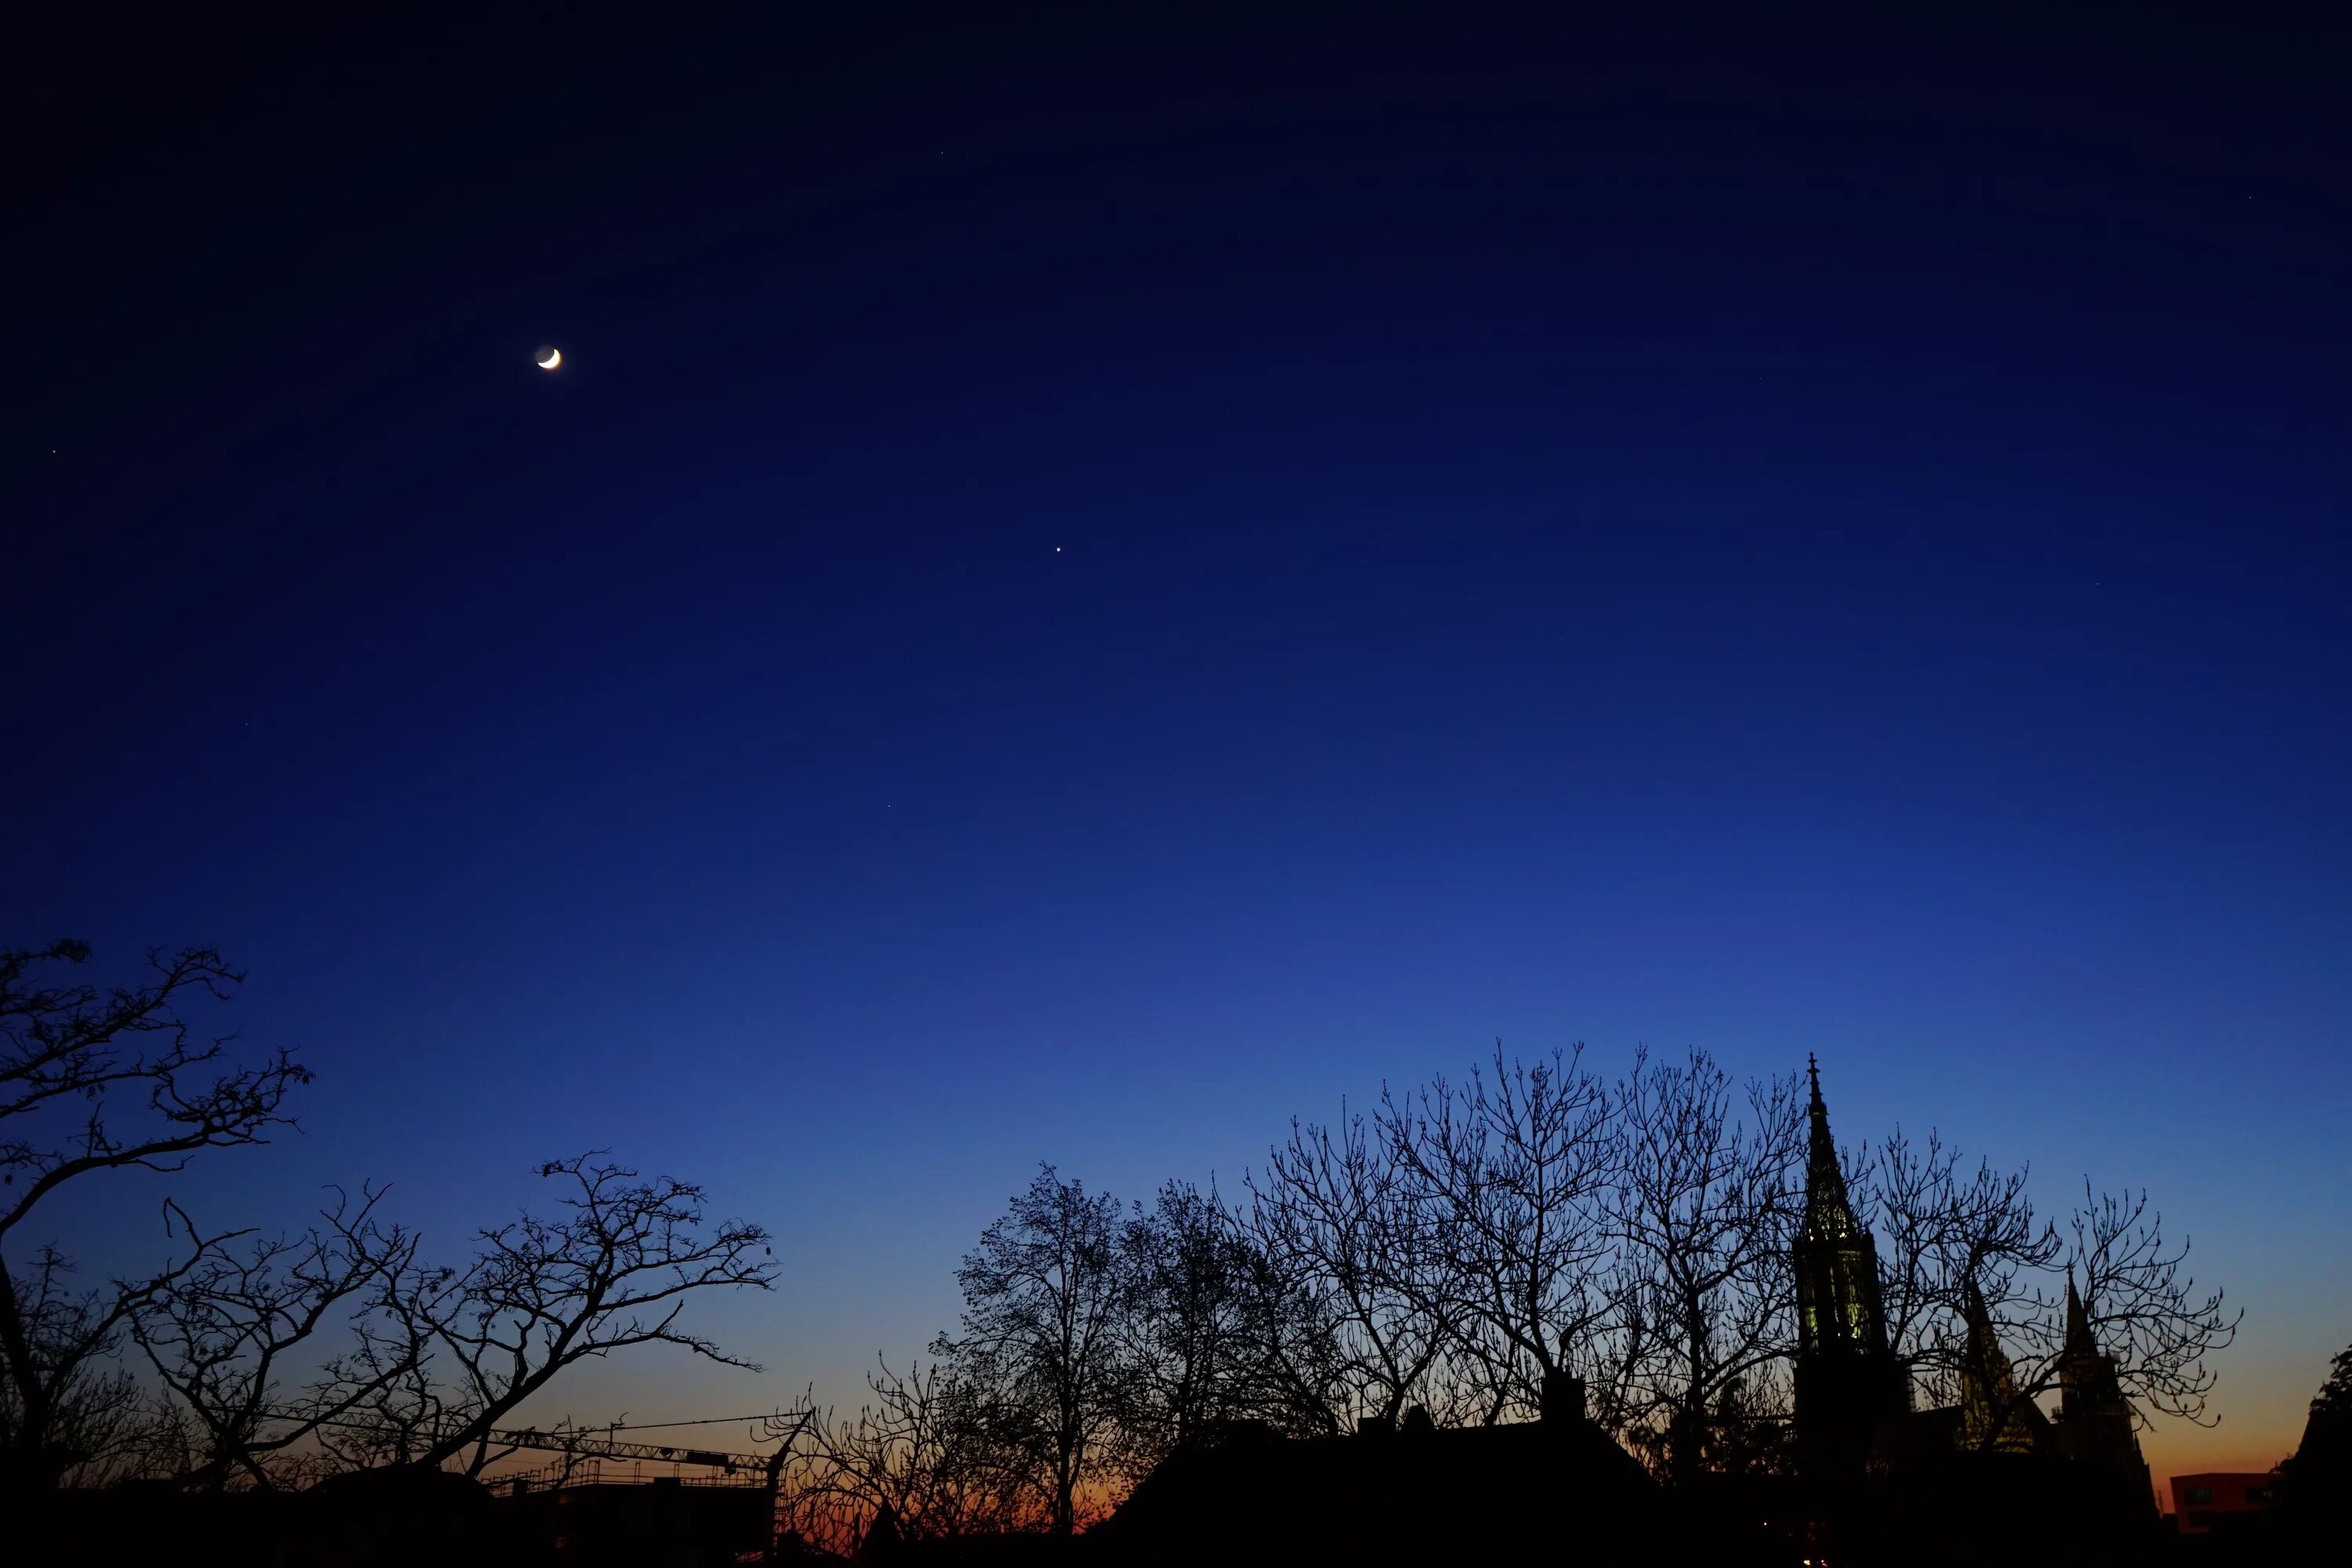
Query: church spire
{"points": [[1829, 1213], [2079, 1342]]}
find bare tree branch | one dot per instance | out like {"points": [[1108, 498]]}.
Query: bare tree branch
{"points": [[1336, 1217], [924, 1447], [1509, 1176], [610, 1271], [95, 1080], [1706, 1204], [219, 1333]]}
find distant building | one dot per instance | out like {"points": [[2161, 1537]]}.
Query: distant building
{"points": [[2221, 1502], [662, 1523]]}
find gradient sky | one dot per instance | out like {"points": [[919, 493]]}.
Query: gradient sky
{"points": [[1081, 592]]}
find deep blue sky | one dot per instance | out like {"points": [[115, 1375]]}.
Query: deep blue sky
{"points": [[1082, 592]]}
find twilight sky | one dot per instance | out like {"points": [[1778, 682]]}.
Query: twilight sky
{"points": [[1080, 592]]}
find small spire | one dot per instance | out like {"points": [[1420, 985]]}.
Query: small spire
{"points": [[1973, 1308], [1991, 1416], [2078, 1320], [1819, 1112]]}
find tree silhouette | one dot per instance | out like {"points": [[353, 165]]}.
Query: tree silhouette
{"points": [[1949, 1231], [273, 1354], [924, 1448], [96, 1080], [1944, 1230], [2312, 1501], [1043, 1295], [1343, 1229], [100, 1426], [1186, 1339], [2145, 1308], [1705, 1202], [609, 1270], [1511, 1175], [219, 1334]]}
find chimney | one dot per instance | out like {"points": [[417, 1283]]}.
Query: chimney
{"points": [[1563, 1398]]}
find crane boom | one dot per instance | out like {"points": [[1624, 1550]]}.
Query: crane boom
{"points": [[588, 1447]]}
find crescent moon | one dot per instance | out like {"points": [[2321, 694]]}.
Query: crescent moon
{"points": [[550, 358]]}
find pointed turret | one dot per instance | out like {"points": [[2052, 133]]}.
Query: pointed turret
{"points": [[2087, 1383], [1992, 1417], [2079, 1342], [1974, 1312], [2094, 1417]]}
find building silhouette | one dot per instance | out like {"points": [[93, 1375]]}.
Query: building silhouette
{"points": [[593, 1518], [1414, 1494]]}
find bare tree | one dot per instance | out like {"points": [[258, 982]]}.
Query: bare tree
{"points": [[219, 1334], [1511, 1175], [1340, 1225], [924, 1448], [611, 1270], [1043, 1296], [1298, 1360], [1707, 1200], [1942, 1231], [1950, 1231], [1209, 1336], [403, 1410], [2142, 1308], [101, 1425], [94, 1080]]}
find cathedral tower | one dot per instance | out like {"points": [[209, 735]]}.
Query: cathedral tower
{"points": [[1849, 1385]]}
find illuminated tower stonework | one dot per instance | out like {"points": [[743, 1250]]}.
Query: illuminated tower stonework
{"points": [[1849, 1385]]}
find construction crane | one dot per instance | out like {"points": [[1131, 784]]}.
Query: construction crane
{"points": [[581, 1445], [590, 1447]]}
